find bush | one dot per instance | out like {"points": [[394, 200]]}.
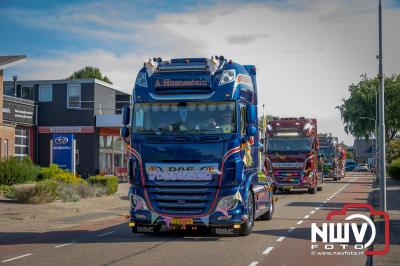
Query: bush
{"points": [[39, 192], [16, 171], [67, 192], [394, 169], [56, 173], [6, 191], [109, 182]]}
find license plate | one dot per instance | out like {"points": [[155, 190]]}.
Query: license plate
{"points": [[182, 221], [288, 187]]}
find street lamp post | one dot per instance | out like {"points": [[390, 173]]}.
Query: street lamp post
{"points": [[382, 155]]}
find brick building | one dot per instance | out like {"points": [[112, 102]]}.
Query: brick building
{"points": [[7, 131]]}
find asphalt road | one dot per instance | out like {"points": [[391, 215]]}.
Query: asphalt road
{"points": [[285, 240]]}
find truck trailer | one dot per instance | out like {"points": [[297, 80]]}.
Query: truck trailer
{"points": [[292, 154], [194, 147]]}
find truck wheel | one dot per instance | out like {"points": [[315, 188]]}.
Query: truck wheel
{"points": [[268, 215], [287, 190], [312, 190], [246, 228], [335, 178]]}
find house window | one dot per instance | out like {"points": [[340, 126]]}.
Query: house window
{"points": [[45, 93], [74, 96], [21, 142], [27, 92]]}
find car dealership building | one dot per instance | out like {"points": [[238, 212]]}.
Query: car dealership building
{"points": [[87, 109]]}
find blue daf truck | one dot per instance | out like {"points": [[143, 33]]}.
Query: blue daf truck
{"points": [[192, 130]]}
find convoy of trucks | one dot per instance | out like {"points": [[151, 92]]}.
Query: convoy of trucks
{"points": [[332, 157], [292, 154], [197, 158]]}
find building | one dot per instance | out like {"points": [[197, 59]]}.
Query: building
{"points": [[8, 111], [74, 106], [363, 151]]}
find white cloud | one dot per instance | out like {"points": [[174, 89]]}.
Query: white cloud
{"points": [[306, 52]]}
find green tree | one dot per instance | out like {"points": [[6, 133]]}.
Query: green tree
{"points": [[89, 72], [361, 103]]}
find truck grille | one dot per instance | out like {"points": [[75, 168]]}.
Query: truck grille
{"points": [[184, 201], [289, 177]]}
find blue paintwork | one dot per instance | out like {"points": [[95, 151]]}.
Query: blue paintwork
{"points": [[199, 149]]}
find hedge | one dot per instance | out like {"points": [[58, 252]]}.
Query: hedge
{"points": [[394, 169], [110, 182], [16, 171]]}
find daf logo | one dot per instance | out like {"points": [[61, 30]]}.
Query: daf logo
{"points": [[61, 140]]}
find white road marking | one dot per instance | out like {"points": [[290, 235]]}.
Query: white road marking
{"points": [[291, 229], [280, 239], [312, 212], [328, 199], [300, 222], [317, 208], [254, 263], [64, 245], [325, 201], [268, 250], [306, 217], [106, 234], [15, 258]]}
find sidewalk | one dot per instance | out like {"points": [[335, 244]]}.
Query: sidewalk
{"points": [[393, 207], [15, 217]]}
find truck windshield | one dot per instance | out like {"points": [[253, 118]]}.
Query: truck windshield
{"points": [[288, 144], [181, 118], [326, 151]]}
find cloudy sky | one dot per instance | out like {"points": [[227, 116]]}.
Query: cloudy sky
{"points": [[307, 52]]}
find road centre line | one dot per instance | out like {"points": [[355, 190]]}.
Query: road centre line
{"points": [[64, 245], [254, 263], [306, 217], [317, 208], [106, 234], [280, 239], [268, 250], [312, 212], [15, 258], [300, 222]]}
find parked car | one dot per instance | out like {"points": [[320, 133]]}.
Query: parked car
{"points": [[362, 168], [350, 165]]}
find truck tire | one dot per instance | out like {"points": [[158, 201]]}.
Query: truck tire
{"points": [[247, 227], [321, 187], [312, 190], [268, 215]]}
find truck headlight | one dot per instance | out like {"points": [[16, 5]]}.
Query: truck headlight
{"points": [[227, 76], [141, 79], [229, 203], [138, 201]]}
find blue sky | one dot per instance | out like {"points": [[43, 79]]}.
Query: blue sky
{"points": [[307, 52]]}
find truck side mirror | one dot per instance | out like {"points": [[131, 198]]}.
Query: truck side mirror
{"points": [[251, 114], [126, 115], [124, 133], [251, 131]]}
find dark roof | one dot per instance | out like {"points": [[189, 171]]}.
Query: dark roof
{"points": [[9, 60], [363, 148]]}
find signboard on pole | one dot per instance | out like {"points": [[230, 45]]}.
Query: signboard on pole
{"points": [[63, 151]]}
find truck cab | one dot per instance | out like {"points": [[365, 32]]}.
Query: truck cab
{"points": [[330, 157], [194, 147], [292, 154]]}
